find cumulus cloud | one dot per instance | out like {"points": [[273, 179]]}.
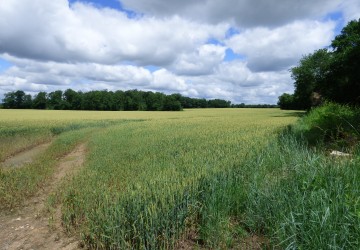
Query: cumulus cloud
{"points": [[165, 80], [53, 30], [245, 13], [53, 73], [277, 49], [230, 80], [201, 62], [57, 45], [351, 10]]}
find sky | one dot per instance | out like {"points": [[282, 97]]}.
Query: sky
{"points": [[238, 50]]}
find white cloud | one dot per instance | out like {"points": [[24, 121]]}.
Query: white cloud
{"points": [[52, 30], [167, 81], [230, 80], [277, 49], [235, 72], [245, 13], [67, 75], [201, 62], [56, 45], [351, 10]]}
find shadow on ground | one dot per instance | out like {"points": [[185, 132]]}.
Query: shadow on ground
{"points": [[291, 114]]}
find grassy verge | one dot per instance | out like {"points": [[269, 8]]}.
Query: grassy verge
{"points": [[331, 126], [302, 199]]}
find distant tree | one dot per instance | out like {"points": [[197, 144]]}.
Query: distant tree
{"points": [[171, 104], [27, 102], [72, 99], [9, 101], [218, 103], [154, 101], [55, 100], [130, 103], [107, 100], [98, 100], [40, 101], [17, 100], [199, 103], [286, 101]]}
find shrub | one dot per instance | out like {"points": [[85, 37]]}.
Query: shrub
{"points": [[332, 124]]}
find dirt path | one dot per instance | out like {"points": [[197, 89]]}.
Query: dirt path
{"points": [[24, 157], [29, 228]]}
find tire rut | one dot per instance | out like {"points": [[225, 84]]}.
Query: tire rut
{"points": [[30, 227]]}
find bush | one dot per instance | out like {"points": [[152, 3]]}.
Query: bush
{"points": [[332, 124]]}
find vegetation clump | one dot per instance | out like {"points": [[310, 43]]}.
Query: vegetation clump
{"points": [[332, 125], [129, 100]]}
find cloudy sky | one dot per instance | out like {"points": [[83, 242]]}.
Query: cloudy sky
{"points": [[239, 50]]}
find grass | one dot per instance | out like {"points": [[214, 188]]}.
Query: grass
{"points": [[332, 126], [215, 178], [145, 184], [16, 185]]}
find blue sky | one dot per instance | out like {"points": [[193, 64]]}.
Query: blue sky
{"points": [[4, 65], [239, 50], [103, 3]]}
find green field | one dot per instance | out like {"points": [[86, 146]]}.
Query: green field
{"points": [[215, 176]]}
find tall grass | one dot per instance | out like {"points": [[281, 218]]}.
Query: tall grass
{"points": [[147, 184], [216, 177], [331, 125], [303, 199]]}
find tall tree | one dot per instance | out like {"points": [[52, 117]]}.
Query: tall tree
{"points": [[72, 99], [343, 83], [9, 101], [171, 104], [286, 101], [55, 100], [309, 76], [40, 101]]}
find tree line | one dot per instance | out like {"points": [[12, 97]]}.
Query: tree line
{"points": [[331, 74], [261, 106], [107, 100]]}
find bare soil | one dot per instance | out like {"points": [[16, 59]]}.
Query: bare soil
{"points": [[25, 157], [32, 227]]}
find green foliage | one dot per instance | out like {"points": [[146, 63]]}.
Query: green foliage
{"points": [[334, 75], [286, 101], [335, 125], [55, 100], [171, 104], [301, 199], [309, 75], [40, 101], [343, 83], [17, 100], [129, 100]]}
